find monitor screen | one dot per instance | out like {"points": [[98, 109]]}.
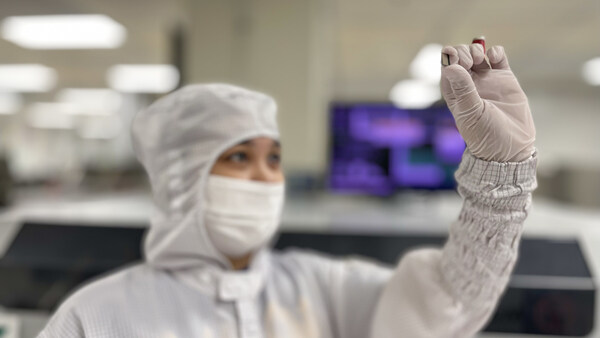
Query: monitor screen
{"points": [[378, 148]]}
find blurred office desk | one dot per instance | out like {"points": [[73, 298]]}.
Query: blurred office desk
{"points": [[407, 214]]}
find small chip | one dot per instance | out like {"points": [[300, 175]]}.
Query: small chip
{"points": [[445, 59]]}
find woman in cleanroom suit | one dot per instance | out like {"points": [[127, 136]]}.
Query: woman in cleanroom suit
{"points": [[212, 155]]}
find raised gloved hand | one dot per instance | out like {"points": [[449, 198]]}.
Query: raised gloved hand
{"points": [[490, 108]]}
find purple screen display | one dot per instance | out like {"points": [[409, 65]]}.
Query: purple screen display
{"points": [[378, 149]]}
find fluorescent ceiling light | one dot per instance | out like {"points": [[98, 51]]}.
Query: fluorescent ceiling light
{"points": [[27, 78], [143, 78], [63, 31], [591, 72], [91, 101], [415, 94], [51, 115], [100, 127], [426, 65], [10, 103]]}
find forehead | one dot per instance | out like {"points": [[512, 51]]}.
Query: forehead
{"points": [[260, 142]]}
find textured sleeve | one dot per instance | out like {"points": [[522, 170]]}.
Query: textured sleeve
{"points": [[482, 248], [453, 291]]}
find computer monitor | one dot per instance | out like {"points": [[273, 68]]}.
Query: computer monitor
{"points": [[378, 148]]}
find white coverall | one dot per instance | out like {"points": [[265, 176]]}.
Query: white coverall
{"points": [[185, 288]]}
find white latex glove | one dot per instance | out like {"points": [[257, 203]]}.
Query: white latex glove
{"points": [[490, 108]]}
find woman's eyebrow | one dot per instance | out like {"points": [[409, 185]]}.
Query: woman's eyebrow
{"points": [[276, 144]]}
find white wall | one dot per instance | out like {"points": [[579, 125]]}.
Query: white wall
{"points": [[280, 47], [568, 130]]}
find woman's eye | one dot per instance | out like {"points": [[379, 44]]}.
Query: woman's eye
{"points": [[238, 157], [274, 158]]}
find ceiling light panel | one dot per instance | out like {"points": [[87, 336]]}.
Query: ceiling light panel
{"points": [[591, 72], [415, 94], [143, 78], [27, 78], [426, 65], [63, 31]]}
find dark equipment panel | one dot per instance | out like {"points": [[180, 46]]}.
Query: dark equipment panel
{"points": [[46, 262]]}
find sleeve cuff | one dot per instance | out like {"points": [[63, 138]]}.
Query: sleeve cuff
{"points": [[496, 173], [494, 184]]}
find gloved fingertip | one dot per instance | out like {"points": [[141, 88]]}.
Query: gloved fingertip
{"points": [[496, 54], [477, 46], [452, 53], [477, 53], [449, 50]]}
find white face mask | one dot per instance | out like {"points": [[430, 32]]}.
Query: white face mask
{"points": [[240, 215]]}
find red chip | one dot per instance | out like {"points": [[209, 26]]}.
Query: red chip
{"points": [[480, 40]]}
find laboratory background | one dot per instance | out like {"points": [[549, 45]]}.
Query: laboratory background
{"points": [[357, 86]]}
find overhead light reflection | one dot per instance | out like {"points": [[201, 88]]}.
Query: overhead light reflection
{"points": [[63, 31], [591, 72], [143, 78], [27, 78], [426, 65], [414, 94]]}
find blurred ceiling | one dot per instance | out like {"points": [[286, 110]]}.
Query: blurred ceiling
{"points": [[375, 40], [148, 23], [547, 40]]}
